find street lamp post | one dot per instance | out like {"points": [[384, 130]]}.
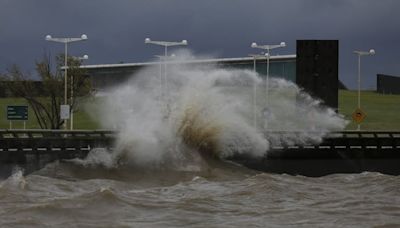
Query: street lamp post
{"points": [[267, 48], [255, 57], [361, 53], [84, 57], [65, 41], [162, 59], [165, 44]]}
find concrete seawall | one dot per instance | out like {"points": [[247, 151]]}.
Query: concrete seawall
{"points": [[32, 149], [347, 151]]}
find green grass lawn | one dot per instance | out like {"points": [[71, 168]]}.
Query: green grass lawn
{"points": [[82, 119], [383, 112]]}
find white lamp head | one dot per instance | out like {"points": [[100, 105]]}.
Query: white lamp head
{"points": [[173, 55], [254, 44], [372, 52], [84, 37], [283, 44], [85, 57], [184, 42], [147, 40], [48, 37]]}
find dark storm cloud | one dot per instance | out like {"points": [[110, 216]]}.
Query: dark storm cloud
{"points": [[225, 28]]}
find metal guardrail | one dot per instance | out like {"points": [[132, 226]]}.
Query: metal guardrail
{"points": [[333, 140], [44, 132], [349, 133], [340, 140], [36, 133], [46, 141]]}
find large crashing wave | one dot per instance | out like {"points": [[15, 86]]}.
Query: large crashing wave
{"points": [[210, 110]]}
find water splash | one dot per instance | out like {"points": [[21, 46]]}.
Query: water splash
{"points": [[97, 157], [207, 110], [16, 180]]}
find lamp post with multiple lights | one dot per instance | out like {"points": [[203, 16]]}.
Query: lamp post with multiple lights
{"points": [[66, 41], [255, 57], [361, 53], [80, 58], [267, 48], [165, 44], [162, 58]]}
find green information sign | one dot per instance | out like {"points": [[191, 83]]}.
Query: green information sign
{"points": [[17, 112]]}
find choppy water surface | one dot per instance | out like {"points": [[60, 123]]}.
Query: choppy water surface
{"points": [[224, 195]]}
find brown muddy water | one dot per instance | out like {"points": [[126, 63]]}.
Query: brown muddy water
{"points": [[223, 195]]}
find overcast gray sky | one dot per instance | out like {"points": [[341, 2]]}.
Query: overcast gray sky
{"points": [[222, 28]]}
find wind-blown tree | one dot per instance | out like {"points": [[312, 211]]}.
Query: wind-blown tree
{"points": [[46, 96]]}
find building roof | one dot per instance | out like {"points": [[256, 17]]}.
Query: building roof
{"points": [[221, 60]]}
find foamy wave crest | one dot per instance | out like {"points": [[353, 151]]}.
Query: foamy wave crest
{"points": [[97, 157], [208, 110], [16, 180]]}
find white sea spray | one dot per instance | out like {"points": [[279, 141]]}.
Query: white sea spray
{"points": [[207, 109]]}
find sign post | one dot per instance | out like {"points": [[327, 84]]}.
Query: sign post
{"points": [[17, 112]]}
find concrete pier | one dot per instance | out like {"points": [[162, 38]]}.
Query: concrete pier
{"points": [[32, 149], [339, 152]]}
